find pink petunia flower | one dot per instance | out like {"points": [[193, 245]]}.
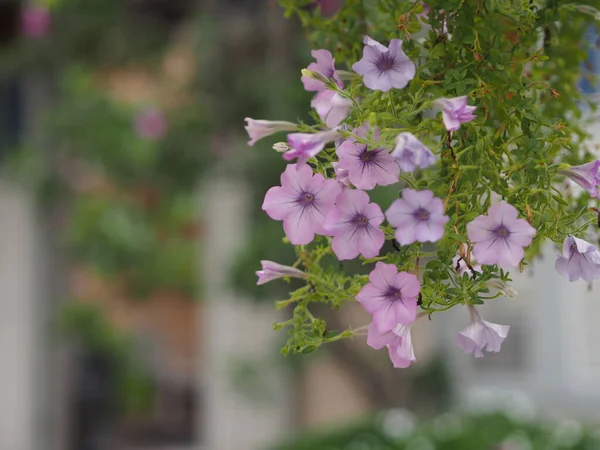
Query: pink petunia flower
{"points": [[455, 112], [579, 259], [418, 217], [499, 237], [301, 202], [481, 334], [391, 297], [354, 224], [307, 145], [331, 107], [367, 168], [258, 129], [411, 153], [36, 21], [384, 68], [325, 66], [272, 270], [398, 342], [150, 123], [341, 175], [586, 175]]}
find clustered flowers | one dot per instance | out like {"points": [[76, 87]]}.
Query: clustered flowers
{"points": [[338, 205]]}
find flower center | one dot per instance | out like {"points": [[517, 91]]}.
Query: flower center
{"points": [[360, 221], [306, 199], [393, 294], [422, 214], [368, 156], [385, 62], [501, 231]]}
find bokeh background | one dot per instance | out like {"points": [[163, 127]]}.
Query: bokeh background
{"points": [[130, 231]]}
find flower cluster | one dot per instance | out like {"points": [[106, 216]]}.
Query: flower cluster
{"points": [[325, 193]]}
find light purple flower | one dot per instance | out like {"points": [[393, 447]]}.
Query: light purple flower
{"points": [[462, 266], [36, 21], [455, 111], [418, 217], [150, 123], [307, 145], [398, 342], [331, 107], [384, 68], [354, 224], [580, 259], [586, 175], [481, 334], [411, 153], [367, 168], [272, 270], [325, 66], [499, 237], [341, 175], [258, 129], [391, 297], [301, 202]]}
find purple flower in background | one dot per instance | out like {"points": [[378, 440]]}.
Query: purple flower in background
{"points": [[258, 129], [367, 168], [325, 66], [500, 236], [306, 145], [481, 334], [271, 271], [586, 175], [301, 202], [328, 7], [354, 224], [411, 153], [331, 107], [579, 259], [391, 297], [384, 68], [36, 21], [418, 217], [455, 111], [341, 175], [397, 341], [150, 123]]}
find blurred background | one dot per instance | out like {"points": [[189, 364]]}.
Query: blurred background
{"points": [[130, 231]]}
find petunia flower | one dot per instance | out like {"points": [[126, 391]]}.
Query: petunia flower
{"points": [[481, 334], [331, 107], [301, 202], [258, 129], [341, 175], [367, 168], [586, 175], [398, 342], [455, 111], [272, 270], [36, 21], [384, 68], [354, 224], [418, 217], [150, 123], [307, 145], [411, 153], [499, 236], [391, 297], [579, 259], [325, 66]]}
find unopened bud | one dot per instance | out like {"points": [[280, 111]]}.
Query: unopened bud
{"points": [[554, 93], [315, 76], [281, 147]]}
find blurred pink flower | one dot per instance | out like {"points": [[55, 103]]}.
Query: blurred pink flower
{"points": [[36, 21], [150, 123]]}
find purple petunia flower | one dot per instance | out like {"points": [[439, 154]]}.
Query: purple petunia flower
{"points": [[150, 123], [481, 334], [325, 66], [272, 270], [258, 129], [411, 153], [307, 145], [500, 236], [331, 107], [455, 111], [36, 21], [391, 297], [418, 217], [367, 168], [341, 175], [580, 259], [354, 224], [301, 202], [398, 342], [384, 68], [586, 175]]}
